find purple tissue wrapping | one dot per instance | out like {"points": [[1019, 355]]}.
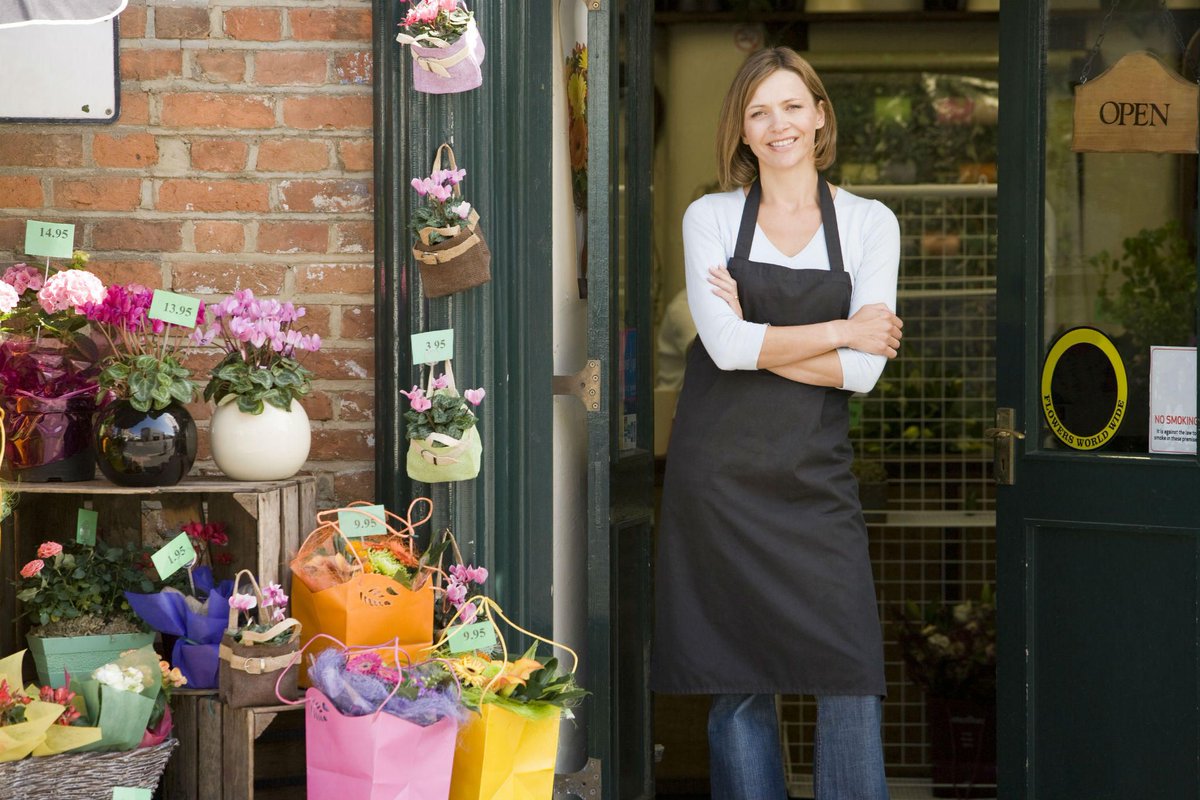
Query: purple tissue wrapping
{"points": [[199, 634]]}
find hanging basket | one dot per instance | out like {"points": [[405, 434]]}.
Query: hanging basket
{"points": [[440, 68], [461, 260], [84, 776]]}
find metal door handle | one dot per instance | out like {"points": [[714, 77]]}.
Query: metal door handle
{"points": [[999, 433]]}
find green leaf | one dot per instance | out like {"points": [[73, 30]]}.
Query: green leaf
{"points": [[262, 377], [145, 362], [183, 391], [250, 405]]}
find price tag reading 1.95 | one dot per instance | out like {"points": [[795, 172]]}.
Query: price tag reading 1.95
{"points": [[127, 793], [432, 346], [85, 526], [361, 521], [173, 555], [479, 636], [177, 309], [50, 239]]}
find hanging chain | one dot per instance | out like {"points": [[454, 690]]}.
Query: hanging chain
{"points": [[1183, 51], [1087, 65]]}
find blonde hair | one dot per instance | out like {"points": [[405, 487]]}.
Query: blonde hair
{"points": [[736, 163]]}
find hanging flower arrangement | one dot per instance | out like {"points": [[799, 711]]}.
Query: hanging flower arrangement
{"points": [[445, 44]]}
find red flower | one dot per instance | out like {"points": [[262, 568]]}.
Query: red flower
{"points": [[223, 559], [216, 533]]}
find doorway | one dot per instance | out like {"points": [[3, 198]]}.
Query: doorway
{"points": [[917, 130]]}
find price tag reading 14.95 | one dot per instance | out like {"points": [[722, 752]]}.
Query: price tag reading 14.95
{"points": [[432, 346], [479, 636], [362, 521], [177, 309], [49, 239], [173, 555]]}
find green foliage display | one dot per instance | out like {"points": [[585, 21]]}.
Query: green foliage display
{"points": [[148, 381], [950, 649], [81, 581], [283, 381]]}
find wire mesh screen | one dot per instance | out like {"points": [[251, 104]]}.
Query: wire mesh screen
{"points": [[933, 536]]}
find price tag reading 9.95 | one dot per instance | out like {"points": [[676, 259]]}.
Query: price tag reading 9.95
{"points": [[176, 309], [432, 346], [478, 636], [362, 521], [175, 554], [50, 239]]}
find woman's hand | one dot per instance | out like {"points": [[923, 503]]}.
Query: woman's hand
{"points": [[725, 287], [874, 329]]}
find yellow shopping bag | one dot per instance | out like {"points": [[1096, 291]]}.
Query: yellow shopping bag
{"points": [[505, 756]]}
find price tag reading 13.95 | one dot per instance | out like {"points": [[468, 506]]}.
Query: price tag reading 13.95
{"points": [[362, 521], [479, 636], [173, 555], [432, 346], [177, 309]]}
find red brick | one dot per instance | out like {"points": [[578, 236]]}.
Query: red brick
{"points": [[279, 69], [315, 320], [354, 68], [99, 194], [18, 191], [293, 237], [137, 234], [131, 150], [331, 24], [205, 109], [335, 279], [133, 22], [13, 229], [187, 194], [219, 236], [200, 410], [181, 22], [351, 485], [356, 406], [292, 155], [220, 66], [313, 112], [224, 278], [40, 150], [341, 365], [358, 322], [317, 405], [135, 107], [147, 273], [254, 24], [219, 155], [201, 362], [329, 197], [149, 65], [357, 155], [341, 445], [354, 237]]}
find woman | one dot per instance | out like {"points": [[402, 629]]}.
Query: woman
{"points": [[764, 582]]}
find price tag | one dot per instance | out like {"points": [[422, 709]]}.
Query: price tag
{"points": [[432, 346], [174, 554], [478, 636], [127, 793], [178, 309], [85, 527], [355, 523], [52, 239]]}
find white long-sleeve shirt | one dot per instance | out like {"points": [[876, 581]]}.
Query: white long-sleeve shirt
{"points": [[870, 252]]}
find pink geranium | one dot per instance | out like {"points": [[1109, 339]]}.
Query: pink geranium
{"points": [[23, 277], [70, 289], [49, 549]]}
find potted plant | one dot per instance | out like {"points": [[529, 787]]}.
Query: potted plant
{"points": [[446, 47], [144, 435], [949, 650], [48, 369], [443, 442], [259, 430], [450, 250], [75, 596], [872, 484], [255, 654]]}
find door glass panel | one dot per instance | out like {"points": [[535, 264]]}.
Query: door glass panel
{"points": [[1120, 235]]}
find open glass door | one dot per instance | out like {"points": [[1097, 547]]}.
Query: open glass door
{"points": [[1097, 532]]}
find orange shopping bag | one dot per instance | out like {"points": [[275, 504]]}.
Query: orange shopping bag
{"points": [[334, 594]]}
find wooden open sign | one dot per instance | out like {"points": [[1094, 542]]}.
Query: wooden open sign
{"points": [[1139, 105]]}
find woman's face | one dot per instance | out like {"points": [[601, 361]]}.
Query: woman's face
{"points": [[781, 121]]}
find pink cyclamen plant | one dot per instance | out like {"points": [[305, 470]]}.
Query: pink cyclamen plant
{"points": [[443, 211]]}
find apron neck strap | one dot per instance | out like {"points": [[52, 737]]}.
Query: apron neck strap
{"points": [[833, 242]]}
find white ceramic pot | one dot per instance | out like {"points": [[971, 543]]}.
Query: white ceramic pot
{"points": [[269, 446]]}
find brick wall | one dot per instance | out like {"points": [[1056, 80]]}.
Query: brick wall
{"points": [[242, 159]]}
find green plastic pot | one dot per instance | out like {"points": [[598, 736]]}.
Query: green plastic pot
{"points": [[79, 655]]}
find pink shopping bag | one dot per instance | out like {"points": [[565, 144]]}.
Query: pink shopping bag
{"points": [[375, 757]]}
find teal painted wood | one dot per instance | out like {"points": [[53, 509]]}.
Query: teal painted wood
{"points": [[503, 329]]}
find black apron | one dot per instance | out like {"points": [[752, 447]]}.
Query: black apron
{"points": [[763, 580]]}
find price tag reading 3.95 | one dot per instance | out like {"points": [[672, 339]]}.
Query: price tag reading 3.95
{"points": [[178, 309], [50, 239], [479, 636], [432, 346], [362, 521], [175, 554]]}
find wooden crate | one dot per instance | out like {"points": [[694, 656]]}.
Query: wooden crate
{"points": [[235, 753], [266, 523]]}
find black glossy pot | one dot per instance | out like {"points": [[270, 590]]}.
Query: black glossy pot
{"points": [[153, 448]]}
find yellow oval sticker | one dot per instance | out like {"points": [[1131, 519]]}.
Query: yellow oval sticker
{"points": [[1091, 438]]}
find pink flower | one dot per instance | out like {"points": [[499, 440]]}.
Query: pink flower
{"points": [[441, 193], [467, 613], [49, 549], [32, 568], [456, 593], [419, 184], [441, 382], [9, 297], [273, 595], [278, 615], [243, 602], [421, 404], [70, 289], [23, 277], [477, 575], [474, 396]]}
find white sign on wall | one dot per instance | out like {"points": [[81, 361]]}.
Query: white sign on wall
{"points": [[1172, 400]]}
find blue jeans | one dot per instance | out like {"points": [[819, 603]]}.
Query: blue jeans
{"points": [[746, 762]]}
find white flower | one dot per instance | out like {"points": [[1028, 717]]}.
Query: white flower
{"points": [[940, 641], [463, 209], [962, 612], [129, 679]]}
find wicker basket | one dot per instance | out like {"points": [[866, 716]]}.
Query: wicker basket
{"points": [[84, 776]]}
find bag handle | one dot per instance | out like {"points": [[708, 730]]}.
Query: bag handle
{"points": [[448, 373], [251, 637], [409, 524], [437, 164], [233, 612]]}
